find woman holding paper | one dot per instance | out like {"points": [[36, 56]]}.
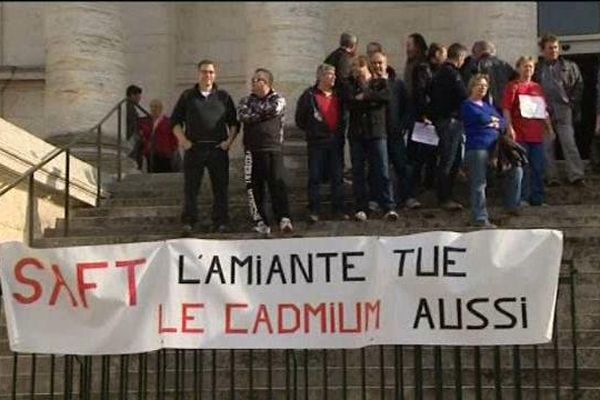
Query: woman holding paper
{"points": [[526, 115], [482, 128]]}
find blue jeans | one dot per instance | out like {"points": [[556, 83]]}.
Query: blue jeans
{"points": [[450, 132], [532, 186], [477, 162], [321, 158], [375, 153]]}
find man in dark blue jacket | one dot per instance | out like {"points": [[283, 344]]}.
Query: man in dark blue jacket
{"points": [[448, 91], [208, 115], [396, 121], [366, 98]]}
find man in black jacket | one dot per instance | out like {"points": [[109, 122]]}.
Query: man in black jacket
{"points": [[367, 98], [319, 114], [208, 115], [341, 58], [421, 154], [397, 117], [261, 114], [448, 91]]}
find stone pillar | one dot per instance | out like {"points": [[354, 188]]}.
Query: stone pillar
{"points": [[85, 65], [151, 50], [511, 26], [288, 39]]}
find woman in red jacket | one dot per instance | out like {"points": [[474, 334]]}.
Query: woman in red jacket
{"points": [[160, 145]]}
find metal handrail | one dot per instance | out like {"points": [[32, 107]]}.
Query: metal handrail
{"points": [[30, 173], [56, 152]]}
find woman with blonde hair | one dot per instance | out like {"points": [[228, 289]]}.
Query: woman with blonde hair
{"points": [[483, 125]]}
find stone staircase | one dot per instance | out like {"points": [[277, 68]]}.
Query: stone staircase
{"points": [[146, 207]]}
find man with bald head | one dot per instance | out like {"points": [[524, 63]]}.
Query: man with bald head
{"points": [[484, 61]]}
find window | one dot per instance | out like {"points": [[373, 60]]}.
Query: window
{"points": [[559, 17]]}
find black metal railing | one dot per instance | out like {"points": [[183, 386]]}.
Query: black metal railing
{"points": [[378, 372], [76, 139]]}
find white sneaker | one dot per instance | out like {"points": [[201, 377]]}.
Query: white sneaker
{"points": [[262, 228], [391, 216], [285, 225], [413, 203], [360, 216]]}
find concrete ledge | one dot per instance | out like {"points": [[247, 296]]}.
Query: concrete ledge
{"points": [[20, 150]]}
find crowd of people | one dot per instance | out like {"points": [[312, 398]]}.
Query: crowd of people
{"points": [[450, 114]]}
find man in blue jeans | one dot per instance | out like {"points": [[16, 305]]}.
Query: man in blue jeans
{"points": [[319, 114], [448, 91], [396, 119], [367, 97]]}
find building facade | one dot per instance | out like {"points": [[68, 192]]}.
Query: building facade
{"points": [[64, 65]]}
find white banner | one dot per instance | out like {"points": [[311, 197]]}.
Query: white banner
{"points": [[480, 288]]}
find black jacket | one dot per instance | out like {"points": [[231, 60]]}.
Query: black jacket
{"points": [[367, 116], [397, 113], [205, 118], [500, 73], [309, 119], [448, 91], [342, 61], [262, 119], [421, 90]]}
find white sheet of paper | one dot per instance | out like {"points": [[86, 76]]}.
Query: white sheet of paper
{"points": [[425, 133], [533, 107]]}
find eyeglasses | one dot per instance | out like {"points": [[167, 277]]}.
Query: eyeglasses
{"points": [[256, 80]]}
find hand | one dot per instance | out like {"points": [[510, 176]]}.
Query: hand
{"points": [[597, 131], [186, 144], [510, 131], [550, 133], [360, 96], [427, 121], [224, 145]]}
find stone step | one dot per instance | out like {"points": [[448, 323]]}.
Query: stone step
{"points": [[152, 198], [371, 227], [236, 166], [546, 370], [587, 358], [240, 222], [591, 210], [353, 393], [373, 384]]}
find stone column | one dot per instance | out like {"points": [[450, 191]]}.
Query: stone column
{"points": [[288, 39], [85, 65], [151, 49]]}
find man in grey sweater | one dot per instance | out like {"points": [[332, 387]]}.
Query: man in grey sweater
{"points": [[563, 86]]}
